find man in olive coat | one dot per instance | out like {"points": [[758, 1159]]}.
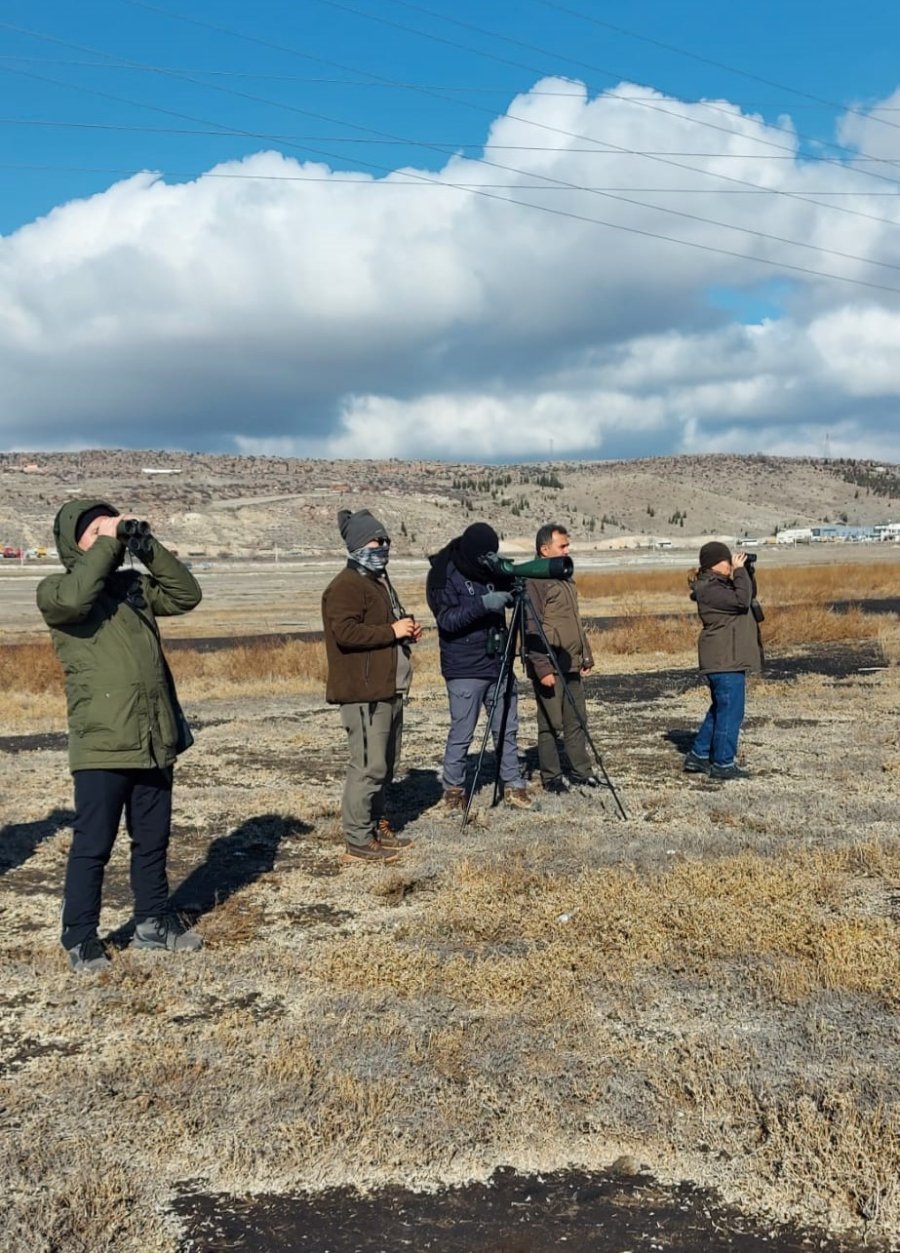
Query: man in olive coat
{"points": [[125, 725]]}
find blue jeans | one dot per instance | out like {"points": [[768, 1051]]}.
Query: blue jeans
{"points": [[717, 739]]}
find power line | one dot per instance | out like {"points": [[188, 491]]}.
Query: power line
{"points": [[557, 212], [549, 180], [696, 56], [397, 180], [348, 8]]}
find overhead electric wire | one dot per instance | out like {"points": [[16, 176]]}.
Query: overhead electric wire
{"points": [[557, 212], [696, 56], [547, 179], [700, 104]]}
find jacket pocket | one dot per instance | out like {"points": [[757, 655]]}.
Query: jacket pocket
{"points": [[107, 719]]}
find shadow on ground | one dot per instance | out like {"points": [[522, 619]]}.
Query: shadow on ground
{"points": [[20, 841]]}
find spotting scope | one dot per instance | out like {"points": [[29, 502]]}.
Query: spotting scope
{"points": [[538, 568]]}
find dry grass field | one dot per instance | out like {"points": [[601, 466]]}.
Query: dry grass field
{"points": [[710, 986]]}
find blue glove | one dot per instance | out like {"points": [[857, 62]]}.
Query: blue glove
{"points": [[496, 602]]}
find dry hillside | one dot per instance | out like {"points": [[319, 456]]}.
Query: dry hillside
{"points": [[242, 505]]}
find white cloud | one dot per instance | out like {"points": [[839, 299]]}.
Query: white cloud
{"points": [[347, 315]]}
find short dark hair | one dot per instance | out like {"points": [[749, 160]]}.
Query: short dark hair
{"points": [[545, 534]]}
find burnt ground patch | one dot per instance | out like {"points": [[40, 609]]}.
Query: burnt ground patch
{"points": [[52, 741], [835, 661], [511, 1213]]}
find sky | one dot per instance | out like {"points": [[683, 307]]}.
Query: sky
{"points": [[376, 228]]}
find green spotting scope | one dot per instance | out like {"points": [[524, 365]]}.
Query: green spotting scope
{"points": [[538, 568]]}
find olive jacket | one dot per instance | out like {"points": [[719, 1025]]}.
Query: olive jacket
{"points": [[122, 707], [730, 638], [555, 602], [360, 644]]}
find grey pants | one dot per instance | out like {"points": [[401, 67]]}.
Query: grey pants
{"points": [[466, 698], [556, 717], [374, 733]]}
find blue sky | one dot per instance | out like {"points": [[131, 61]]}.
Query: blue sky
{"points": [[638, 271], [825, 50]]}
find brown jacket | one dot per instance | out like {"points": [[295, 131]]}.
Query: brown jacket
{"points": [[730, 638], [556, 603], [359, 640]]}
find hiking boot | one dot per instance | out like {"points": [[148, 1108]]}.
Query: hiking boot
{"points": [[454, 801], [694, 764], [723, 773], [166, 932], [558, 786], [517, 798], [373, 851], [89, 955], [388, 838]]}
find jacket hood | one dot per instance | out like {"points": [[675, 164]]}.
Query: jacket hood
{"points": [[64, 528]]}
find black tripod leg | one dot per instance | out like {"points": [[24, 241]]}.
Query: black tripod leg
{"points": [[607, 781], [503, 684]]}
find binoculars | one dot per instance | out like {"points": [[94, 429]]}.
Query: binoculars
{"points": [[135, 535]]}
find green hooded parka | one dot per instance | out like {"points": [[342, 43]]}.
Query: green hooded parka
{"points": [[122, 707]]}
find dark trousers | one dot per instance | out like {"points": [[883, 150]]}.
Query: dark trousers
{"points": [[100, 798], [557, 717]]}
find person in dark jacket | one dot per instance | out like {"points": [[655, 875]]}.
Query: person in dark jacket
{"points": [[469, 609], [555, 601], [729, 649], [125, 724], [367, 643]]}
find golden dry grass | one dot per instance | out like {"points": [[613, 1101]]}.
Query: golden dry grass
{"points": [[778, 584]]}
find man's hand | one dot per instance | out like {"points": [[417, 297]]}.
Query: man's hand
{"points": [[406, 629], [107, 525], [496, 602], [548, 680], [587, 669]]}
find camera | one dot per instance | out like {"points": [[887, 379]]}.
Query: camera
{"points": [[538, 568], [135, 535]]}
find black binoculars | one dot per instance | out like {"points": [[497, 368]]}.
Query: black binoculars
{"points": [[135, 535]]}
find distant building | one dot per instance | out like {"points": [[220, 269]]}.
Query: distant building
{"points": [[154, 470], [794, 535]]}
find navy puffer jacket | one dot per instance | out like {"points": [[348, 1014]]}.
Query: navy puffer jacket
{"points": [[463, 625]]}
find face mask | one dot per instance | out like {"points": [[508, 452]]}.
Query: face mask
{"points": [[374, 559]]}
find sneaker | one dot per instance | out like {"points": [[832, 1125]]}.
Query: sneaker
{"points": [[728, 772], [694, 764], [166, 932], [89, 955], [388, 838], [373, 851], [588, 781], [517, 798], [558, 786]]}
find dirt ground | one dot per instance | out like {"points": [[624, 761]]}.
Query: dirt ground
{"points": [[709, 988]]}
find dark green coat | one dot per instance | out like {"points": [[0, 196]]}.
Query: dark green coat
{"points": [[121, 705]]}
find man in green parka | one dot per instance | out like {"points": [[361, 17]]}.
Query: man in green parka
{"points": [[125, 725]]}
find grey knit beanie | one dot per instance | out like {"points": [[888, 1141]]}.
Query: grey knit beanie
{"points": [[358, 528]]}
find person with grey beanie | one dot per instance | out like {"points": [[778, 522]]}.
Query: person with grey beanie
{"points": [[368, 635]]}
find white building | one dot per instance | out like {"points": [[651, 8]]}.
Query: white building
{"points": [[795, 535]]}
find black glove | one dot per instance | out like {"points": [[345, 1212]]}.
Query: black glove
{"points": [[496, 602]]}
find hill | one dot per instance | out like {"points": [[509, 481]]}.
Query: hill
{"points": [[221, 505]]}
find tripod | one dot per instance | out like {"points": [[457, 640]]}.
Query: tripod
{"points": [[515, 642]]}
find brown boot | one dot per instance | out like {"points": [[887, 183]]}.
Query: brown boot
{"points": [[517, 798], [372, 851], [388, 838], [454, 802]]}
